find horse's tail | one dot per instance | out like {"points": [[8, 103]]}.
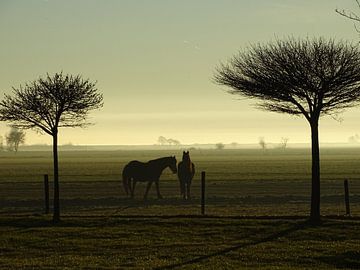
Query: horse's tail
{"points": [[126, 179]]}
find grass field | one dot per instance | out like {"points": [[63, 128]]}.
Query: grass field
{"points": [[257, 203], [239, 182], [182, 243]]}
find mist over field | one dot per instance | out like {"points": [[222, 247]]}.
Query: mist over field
{"points": [[196, 146]]}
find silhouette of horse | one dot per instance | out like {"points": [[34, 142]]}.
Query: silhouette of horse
{"points": [[186, 171], [146, 172]]}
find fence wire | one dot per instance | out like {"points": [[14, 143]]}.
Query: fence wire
{"points": [[102, 194]]}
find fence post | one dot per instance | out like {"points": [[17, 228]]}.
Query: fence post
{"points": [[46, 189], [347, 201], [203, 193]]}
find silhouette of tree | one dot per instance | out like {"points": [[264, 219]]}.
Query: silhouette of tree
{"points": [[283, 142], [262, 143], [312, 78], [48, 104], [234, 144], [219, 146], [14, 139], [354, 139], [162, 140], [173, 142]]}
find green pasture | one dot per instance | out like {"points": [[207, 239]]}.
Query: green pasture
{"points": [[178, 243], [238, 182], [256, 205]]}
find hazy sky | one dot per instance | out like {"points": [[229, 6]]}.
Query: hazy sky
{"points": [[154, 61]]}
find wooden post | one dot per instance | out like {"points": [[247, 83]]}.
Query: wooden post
{"points": [[203, 193], [347, 201], [46, 189]]}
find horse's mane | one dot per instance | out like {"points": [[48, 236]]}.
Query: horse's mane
{"points": [[159, 159]]}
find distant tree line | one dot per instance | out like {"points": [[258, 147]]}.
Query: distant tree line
{"points": [[164, 141], [282, 145]]}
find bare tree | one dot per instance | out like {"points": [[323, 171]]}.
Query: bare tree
{"points": [[46, 105], [312, 78], [162, 140], [262, 143], [173, 142], [283, 142], [351, 15], [14, 139]]}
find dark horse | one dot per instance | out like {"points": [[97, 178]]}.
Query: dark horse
{"points": [[186, 171], [146, 172]]}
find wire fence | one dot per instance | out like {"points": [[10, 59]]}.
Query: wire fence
{"points": [[103, 194]]}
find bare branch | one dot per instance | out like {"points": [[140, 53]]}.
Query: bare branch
{"points": [[350, 15]]}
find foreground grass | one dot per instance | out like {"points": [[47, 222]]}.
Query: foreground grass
{"points": [[178, 242]]}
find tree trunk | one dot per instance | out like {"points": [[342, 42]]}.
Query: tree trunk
{"points": [[56, 216], [315, 179]]}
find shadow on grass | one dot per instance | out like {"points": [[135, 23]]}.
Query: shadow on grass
{"points": [[168, 201], [350, 259], [26, 222], [283, 233], [95, 221]]}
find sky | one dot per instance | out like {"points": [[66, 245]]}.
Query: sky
{"points": [[154, 62]]}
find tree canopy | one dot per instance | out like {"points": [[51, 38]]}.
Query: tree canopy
{"points": [[45, 104], [297, 77]]}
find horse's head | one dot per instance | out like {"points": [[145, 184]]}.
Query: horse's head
{"points": [[172, 164], [186, 156]]}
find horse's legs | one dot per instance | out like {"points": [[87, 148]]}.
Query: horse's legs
{"points": [[129, 186], [182, 188], [147, 189], [188, 190], [132, 188], [157, 189]]}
